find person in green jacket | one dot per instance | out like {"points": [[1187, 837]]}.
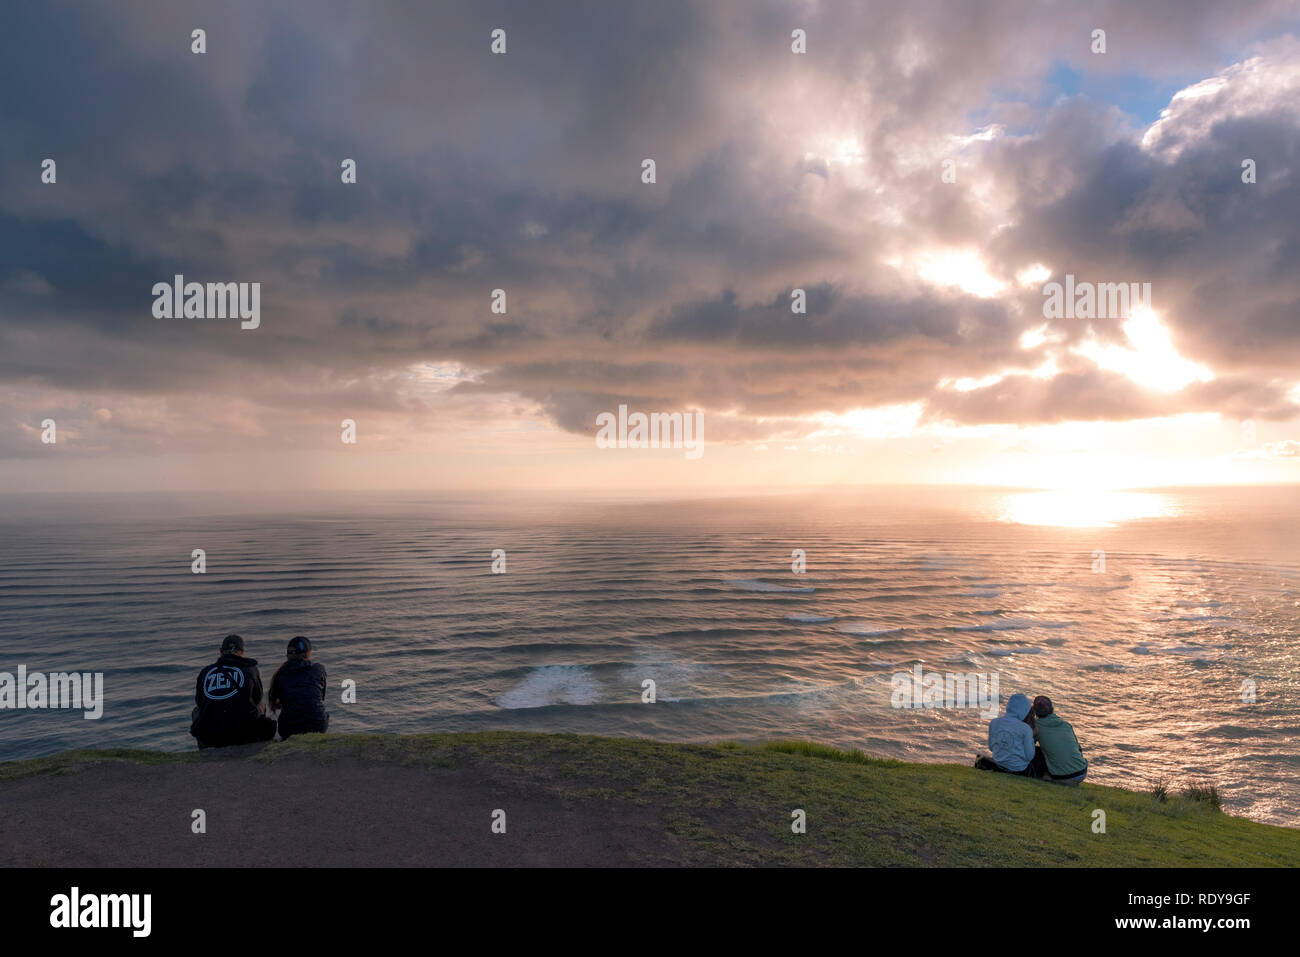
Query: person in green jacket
{"points": [[1065, 761]]}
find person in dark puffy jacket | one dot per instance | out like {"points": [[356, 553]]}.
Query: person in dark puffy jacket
{"points": [[228, 701], [298, 691]]}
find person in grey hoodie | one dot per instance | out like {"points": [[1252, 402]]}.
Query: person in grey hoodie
{"points": [[1011, 740]]}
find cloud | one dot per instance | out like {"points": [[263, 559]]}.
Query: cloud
{"points": [[1285, 449], [522, 172]]}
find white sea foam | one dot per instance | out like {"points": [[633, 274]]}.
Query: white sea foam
{"points": [[866, 629], [550, 685], [674, 680]]}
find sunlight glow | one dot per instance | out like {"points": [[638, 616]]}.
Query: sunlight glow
{"points": [[1084, 508], [1152, 361], [882, 422], [1034, 275], [986, 134], [1047, 370], [838, 149], [847, 151], [1033, 338], [960, 268], [967, 384]]}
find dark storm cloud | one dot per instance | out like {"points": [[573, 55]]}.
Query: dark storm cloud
{"points": [[1221, 256], [522, 172]]}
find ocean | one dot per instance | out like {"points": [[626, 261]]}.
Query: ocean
{"points": [[1162, 623]]}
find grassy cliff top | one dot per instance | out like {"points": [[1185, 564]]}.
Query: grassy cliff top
{"points": [[575, 799]]}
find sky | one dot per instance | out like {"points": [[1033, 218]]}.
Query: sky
{"points": [[921, 173]]}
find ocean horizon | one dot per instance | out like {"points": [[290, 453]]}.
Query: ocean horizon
{"points": [[1162, 622]]}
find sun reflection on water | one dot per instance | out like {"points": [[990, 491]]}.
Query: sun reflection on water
{"points": [[1085, 508]]}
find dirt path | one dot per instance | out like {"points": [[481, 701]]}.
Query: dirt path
{"points": [[300, 812]]}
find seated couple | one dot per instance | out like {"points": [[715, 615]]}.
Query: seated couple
{"points": [[229, 704], [1034, 742]]}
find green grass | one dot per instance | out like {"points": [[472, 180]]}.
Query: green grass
{"points": [[731, 803], [69, 762], [1207, 793], [1161, 791]]}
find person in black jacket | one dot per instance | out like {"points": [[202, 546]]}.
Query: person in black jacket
{"points": [[298, 691], [228, 696]]}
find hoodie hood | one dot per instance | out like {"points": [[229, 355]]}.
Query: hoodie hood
{"points": [[1017, 707], [238, 661]]}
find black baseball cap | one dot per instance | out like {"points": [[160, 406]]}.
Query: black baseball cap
{"points": [[232, 643], [298, 647]]}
